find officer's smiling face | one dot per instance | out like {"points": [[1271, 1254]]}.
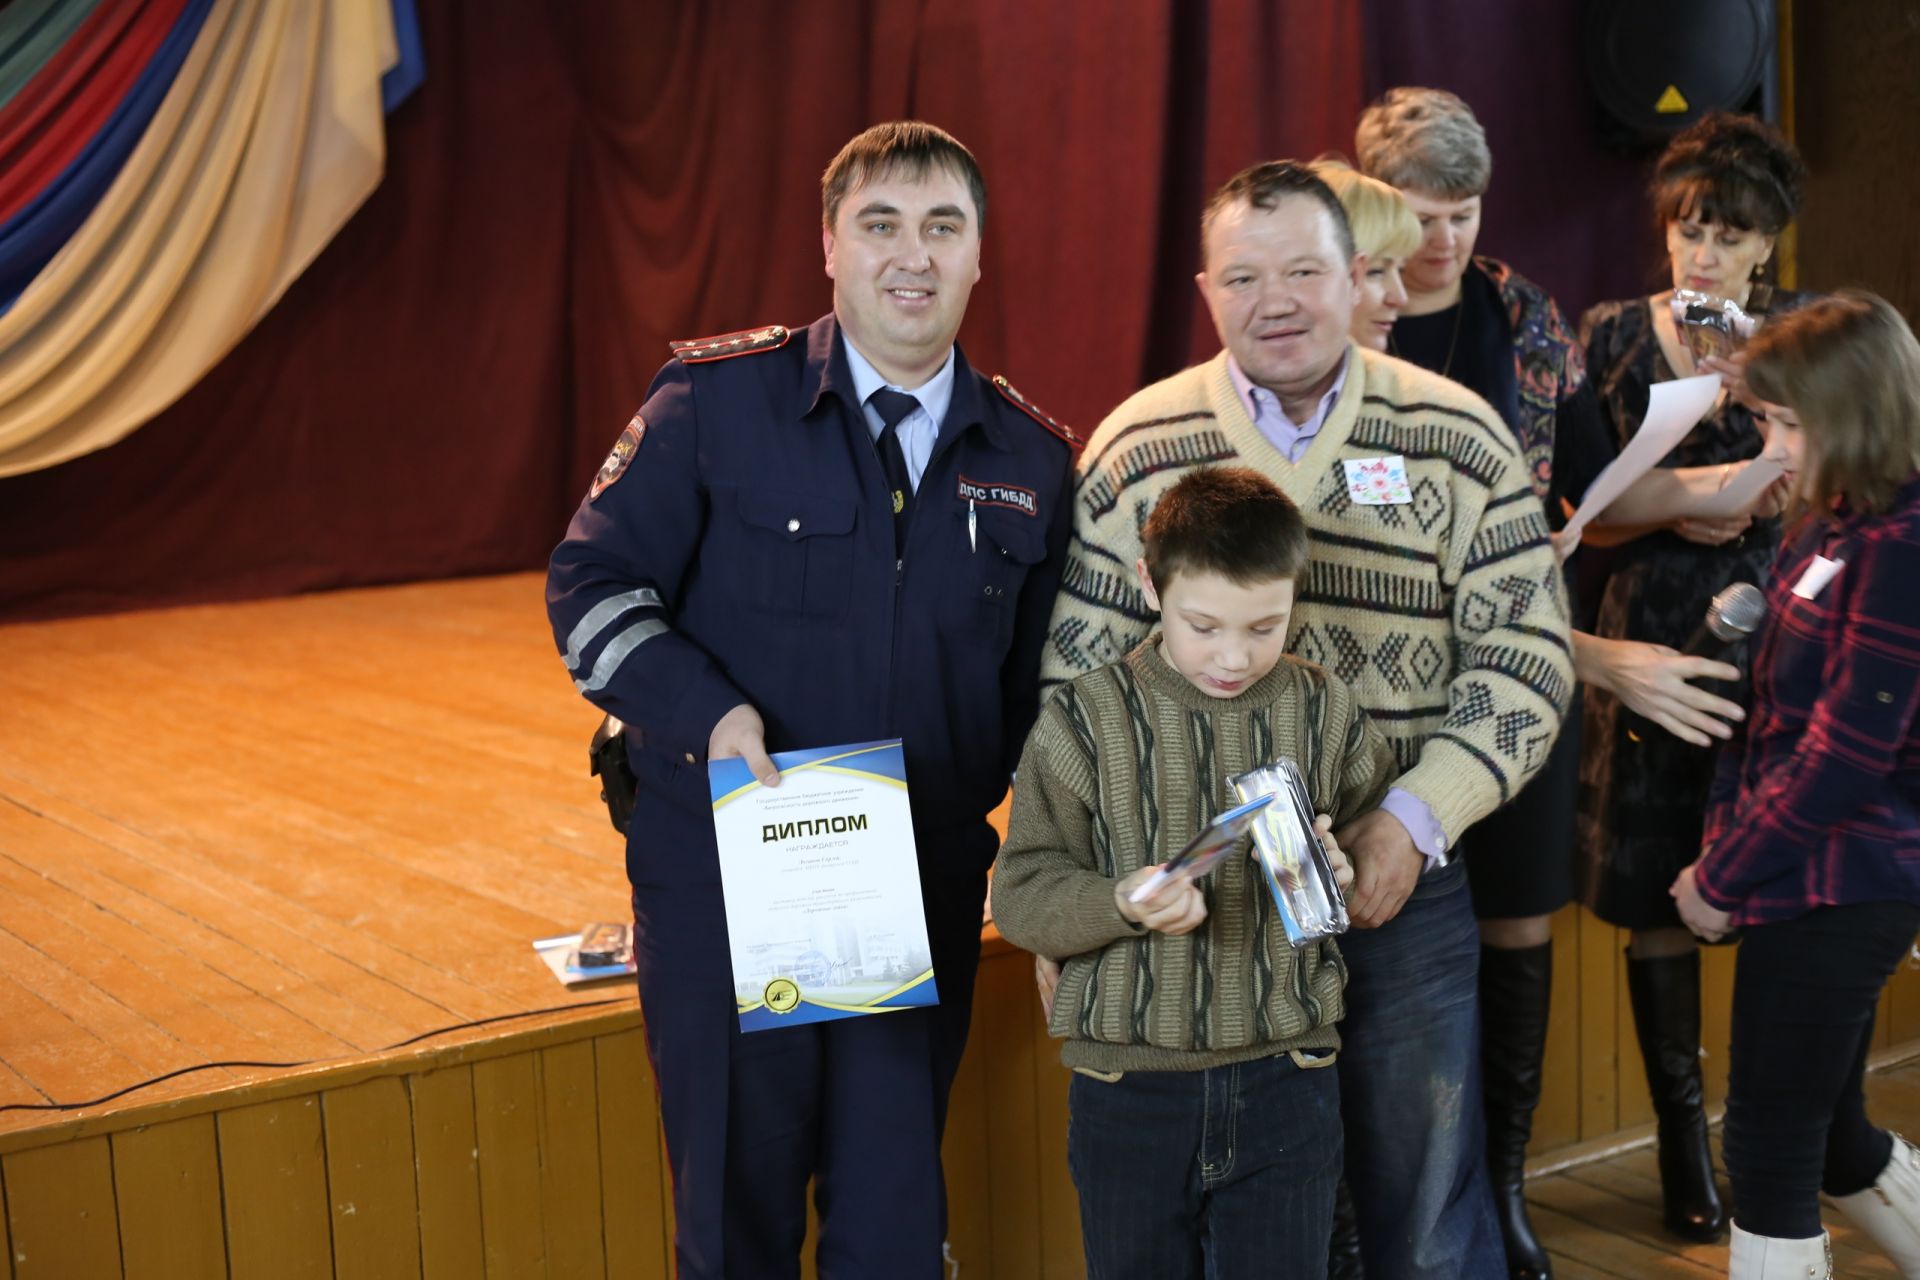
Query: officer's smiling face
{"points": [[904, 254], [1282, 296], [1222, 635]]}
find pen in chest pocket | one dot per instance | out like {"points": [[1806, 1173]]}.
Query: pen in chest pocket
{"points": [[973, 528]]}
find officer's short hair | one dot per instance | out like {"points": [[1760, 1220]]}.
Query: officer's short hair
{"points": [[1264, 186], [912, 147], [1232, 521]]}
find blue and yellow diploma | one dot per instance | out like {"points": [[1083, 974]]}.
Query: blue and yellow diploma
{"points": [[822, 886]]}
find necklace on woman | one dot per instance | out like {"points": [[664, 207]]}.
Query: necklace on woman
{"points": [[1453, 341]]}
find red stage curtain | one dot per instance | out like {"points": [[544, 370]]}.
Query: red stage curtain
{"points": [[576, 184]]}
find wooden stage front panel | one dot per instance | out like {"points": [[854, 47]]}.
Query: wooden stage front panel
{"points": [[313, 830]]}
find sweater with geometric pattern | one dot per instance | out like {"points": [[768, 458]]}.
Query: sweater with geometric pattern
{"points": [[1123, 767], [1447, 614]]}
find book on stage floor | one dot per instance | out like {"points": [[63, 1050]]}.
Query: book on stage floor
{"points": [[597, 951], [1298, 872], [822, 886]]}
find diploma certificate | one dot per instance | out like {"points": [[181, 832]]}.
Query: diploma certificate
{"points": [[822, 886]]}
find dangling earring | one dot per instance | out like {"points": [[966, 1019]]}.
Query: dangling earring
{"points": [[1759, 287]]}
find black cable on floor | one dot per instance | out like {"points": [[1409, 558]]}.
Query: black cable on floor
{"points": [[307, 1062]]}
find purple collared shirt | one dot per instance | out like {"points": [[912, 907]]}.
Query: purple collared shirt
{"points": [[1289, 437], [1293, 439]]}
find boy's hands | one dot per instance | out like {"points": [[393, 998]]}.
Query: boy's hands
{"points": [[1179, 907], [1342, 869], [1176, 907]]}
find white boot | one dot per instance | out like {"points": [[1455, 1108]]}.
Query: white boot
{"points": [[1889, 1210], [1764, 1258]]}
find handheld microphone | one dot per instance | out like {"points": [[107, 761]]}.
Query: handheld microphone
{"points": [[1734, 615]]}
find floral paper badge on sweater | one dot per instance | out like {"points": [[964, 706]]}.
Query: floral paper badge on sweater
{"points": [[1378, 482]]}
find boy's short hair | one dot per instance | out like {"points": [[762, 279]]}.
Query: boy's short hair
{"points": [[1232, 521]]}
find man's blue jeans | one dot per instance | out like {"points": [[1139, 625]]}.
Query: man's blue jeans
{"points": [[1410, 1091], [1221, 1174]]}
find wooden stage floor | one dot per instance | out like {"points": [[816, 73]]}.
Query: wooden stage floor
{"points": [[296, 830], [1601, 1221], [312, 830]]}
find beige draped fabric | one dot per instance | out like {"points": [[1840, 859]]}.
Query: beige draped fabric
{"points": [[271, 136]]}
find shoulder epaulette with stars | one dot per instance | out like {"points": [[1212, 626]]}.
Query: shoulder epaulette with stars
{"points": [[743, 343], [1032, 410]]}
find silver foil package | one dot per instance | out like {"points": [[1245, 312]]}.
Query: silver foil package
{"points": [[1709, 324], [1298, 872]]}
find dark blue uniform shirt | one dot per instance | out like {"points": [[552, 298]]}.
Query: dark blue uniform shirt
{"points": [[739, 547]]}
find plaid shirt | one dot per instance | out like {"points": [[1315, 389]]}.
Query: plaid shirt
{"points": [[1817, 799]]}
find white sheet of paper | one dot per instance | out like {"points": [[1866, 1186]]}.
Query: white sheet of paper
{"points": [[821, 886], [1672, 410], [1742, 489]]}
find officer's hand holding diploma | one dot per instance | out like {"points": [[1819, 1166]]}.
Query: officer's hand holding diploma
{"points": [[742, 733]]}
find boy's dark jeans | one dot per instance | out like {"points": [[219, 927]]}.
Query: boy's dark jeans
{"points": [[1218, 1174], [1804, 994]]}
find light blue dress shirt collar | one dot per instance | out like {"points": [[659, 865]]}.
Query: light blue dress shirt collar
{"points": [[919, 430]]}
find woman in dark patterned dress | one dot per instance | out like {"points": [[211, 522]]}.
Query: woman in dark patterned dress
{"points": [[1723, 190]]}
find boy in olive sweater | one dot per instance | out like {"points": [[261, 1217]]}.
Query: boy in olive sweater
{"points": [[1205, 1121]]}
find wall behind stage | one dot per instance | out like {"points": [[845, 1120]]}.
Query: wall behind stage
{"points": [[576, 184]]}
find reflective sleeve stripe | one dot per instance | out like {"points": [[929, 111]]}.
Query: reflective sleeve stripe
{"points": [[616, 653], [601, 616]]}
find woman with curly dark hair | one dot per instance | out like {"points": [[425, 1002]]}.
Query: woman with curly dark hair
{"points": [[1723, 191]]}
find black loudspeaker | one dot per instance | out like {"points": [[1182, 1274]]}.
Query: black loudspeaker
{"points": [[1659, 65]]}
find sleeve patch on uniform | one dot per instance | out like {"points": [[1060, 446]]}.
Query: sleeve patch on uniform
{"points": [[1032, 410], [623, 450]]}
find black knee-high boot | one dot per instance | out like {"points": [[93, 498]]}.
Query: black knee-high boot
{"points": [[1666, 1012], [1515, 990]]}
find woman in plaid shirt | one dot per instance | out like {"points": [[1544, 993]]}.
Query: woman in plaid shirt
{"points": [[1812, 841]]}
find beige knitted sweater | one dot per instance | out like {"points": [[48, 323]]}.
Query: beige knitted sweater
{"points": [[1447, 615]]}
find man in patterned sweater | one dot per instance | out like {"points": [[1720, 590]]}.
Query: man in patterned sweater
{"points": [[1431, 588]]}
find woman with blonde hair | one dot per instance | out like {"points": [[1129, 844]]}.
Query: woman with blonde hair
{"points": [[1812, 840], [1385, 233]]}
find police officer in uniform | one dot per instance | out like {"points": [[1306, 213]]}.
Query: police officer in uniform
{"points": [[835, 534]]}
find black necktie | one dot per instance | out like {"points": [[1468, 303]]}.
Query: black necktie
{"points": [[893, 407]]}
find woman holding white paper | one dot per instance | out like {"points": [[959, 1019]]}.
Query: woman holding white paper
{"points": [[1723, 191], [1812, 838]]}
